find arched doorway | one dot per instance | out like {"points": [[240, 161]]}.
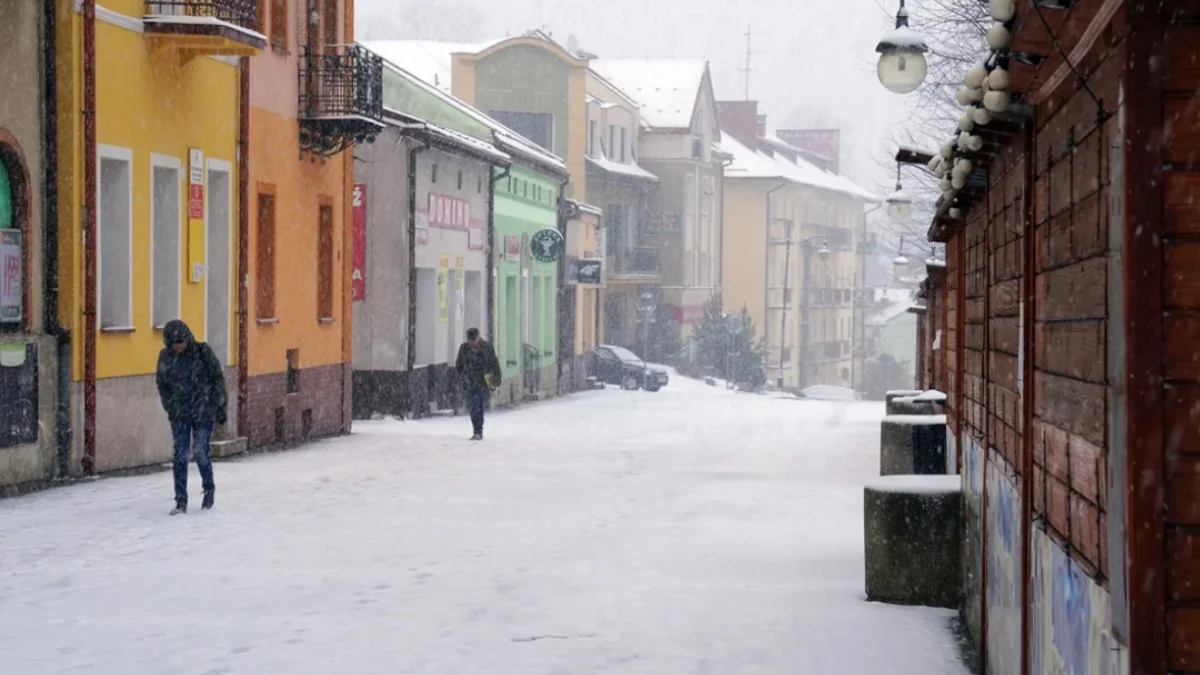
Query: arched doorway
{"points": [[14, 235]]}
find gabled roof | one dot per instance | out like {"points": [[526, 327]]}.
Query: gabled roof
{"points": [[749, 163], [426, 59], [668, 90]]}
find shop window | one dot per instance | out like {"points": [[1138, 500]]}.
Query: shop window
{"points": [[115, 225], [325, 262], [264, 258], [166, 242], [14, 243]]}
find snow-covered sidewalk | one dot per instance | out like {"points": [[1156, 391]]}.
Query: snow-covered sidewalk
{"points": [[694, 530]]}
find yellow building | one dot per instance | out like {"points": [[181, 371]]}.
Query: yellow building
{"points": [[149, 104], [788, 247]]}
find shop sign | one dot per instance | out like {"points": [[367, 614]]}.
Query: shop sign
{"points": [[358, 278], [547, 245], [422, 226], [512, 248], [11, 276], [449, 213], [475, 234], [585, 271]]}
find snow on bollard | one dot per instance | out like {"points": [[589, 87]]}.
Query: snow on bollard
{"points": [[898, 393], [912, 445], [912, 526], [910, 405]]}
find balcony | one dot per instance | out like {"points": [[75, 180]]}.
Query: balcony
{"points": [[341, 99], [192, 28], [640, 262], [830, 351]]}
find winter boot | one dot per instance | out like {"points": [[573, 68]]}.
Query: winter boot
{"points": [[208, 499], [179, 509]]}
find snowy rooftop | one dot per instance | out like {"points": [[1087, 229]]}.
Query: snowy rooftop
{"points": [[666, 89], [613, 166], [899, 301], [508, 140], [427, 59], [749, 163]]}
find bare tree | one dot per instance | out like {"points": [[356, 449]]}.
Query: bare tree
{"points": [[956, 33]]}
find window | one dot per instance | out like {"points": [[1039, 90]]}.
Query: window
{"points": [[279, 23], [115, 225], [166, 243], [325, 262], [592, 138], [624, 143], [433, 173], [264, 259], [612, 141], [537, 127], [331, 22], [479, 184], [459, 180], [293, 371]]}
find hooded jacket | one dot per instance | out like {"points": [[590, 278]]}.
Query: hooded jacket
{"points": [[475, 363], [190, 383]]}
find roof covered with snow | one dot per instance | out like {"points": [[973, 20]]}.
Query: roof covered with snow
{"points": [[749, 163], [666, 89], [895, 303], [631, 170], [427, 59]]}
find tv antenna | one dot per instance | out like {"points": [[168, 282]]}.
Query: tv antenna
{"points": [[747, 69]]}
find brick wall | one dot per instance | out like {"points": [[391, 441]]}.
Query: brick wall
{"points": [[277, 418]]}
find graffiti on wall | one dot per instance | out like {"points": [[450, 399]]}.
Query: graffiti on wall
{"points": [[972, 546], [1003, 588], [1070, 619]]}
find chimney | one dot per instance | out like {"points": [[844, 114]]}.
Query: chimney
{"points": [[740, 120], [820, 145], [761, 125]]}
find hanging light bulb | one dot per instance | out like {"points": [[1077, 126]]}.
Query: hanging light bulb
{"points": [[955, 212], [947, 151], [998, 36], [941, 170], [998, 79], [967, 122], [944, 184], [958, 182], [962, 139], [965, 166], [1003, 10], [996, 101], [902, 65], [934, 163], [974, 143], [974, 77], [982, 116], [964, 96]]}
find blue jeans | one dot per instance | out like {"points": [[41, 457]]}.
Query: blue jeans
{"points": [[477, 400], [193, 437]]}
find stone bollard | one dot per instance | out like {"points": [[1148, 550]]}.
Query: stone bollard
{"points": [[910, 405], [912, 526], [912, 444], [891, 396]]}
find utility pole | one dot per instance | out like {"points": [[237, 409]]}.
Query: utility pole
{"points": [[746, 69]]}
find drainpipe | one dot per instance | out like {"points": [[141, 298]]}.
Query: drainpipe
{"points": [[243, 247], [88, 461], [563, 346], [767, 271], [50, 237], [490, 251], [411, 356]]}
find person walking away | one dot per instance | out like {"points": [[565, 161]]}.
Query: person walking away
{"points": [[479, 370], [192, 389]]}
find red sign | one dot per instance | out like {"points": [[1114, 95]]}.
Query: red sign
{"points": [[11, 296], [196, 201], [449, 213], [686, 316], [358, 278], [512, 247]]}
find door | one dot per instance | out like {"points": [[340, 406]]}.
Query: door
{"points": [[219, 253]]}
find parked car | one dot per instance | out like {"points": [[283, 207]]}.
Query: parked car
{"points": [[619, 366], [824, 392]]}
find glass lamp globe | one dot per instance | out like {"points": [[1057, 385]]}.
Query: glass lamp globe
{"points": [[902, 66], [899, 206]]}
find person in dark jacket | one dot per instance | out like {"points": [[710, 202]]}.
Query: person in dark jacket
{"points": [[479, 370], [192, 389]]}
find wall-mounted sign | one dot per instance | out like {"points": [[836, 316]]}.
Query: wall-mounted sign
{"points": [[512, 248], [475, 234], [358, 274], [422, 226], [547, 245], [449, 213], [661, 223], [585, 271], [11, 276], [196, 238], [687, 315], [19, 404]]}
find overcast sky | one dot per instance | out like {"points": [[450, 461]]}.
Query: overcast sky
{"points": [[812, 60]]}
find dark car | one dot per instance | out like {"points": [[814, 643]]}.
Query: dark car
{"points": [[619, 366]]}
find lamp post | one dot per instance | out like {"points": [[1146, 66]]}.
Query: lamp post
{"points": [[899, 204], [645, 306], [902, 67], [823, 253]]}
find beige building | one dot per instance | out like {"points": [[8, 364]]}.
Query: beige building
{"points": [[789, 251]]}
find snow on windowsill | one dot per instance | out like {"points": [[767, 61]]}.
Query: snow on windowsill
{"points": [[915, 419], [903, 392], [117, 329], [925, 485], [931, 395]]}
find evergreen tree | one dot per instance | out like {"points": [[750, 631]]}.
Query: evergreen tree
{"points": [[664, 344], [710, 336], [727, 347]]}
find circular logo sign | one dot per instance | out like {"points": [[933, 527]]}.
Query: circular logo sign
{"points": [[546, 245]]}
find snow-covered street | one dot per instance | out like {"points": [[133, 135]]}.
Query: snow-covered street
{"points": [[693, 530]]}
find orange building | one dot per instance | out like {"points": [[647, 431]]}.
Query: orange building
{"points": [[312, 96]]}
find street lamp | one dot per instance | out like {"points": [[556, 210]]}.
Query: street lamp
{"points": [[646, 304], [899, 204], [902, 65]]}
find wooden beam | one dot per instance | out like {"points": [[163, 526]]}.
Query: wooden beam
{"points": [[1143, 290]]}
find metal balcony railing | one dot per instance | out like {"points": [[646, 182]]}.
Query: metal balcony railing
{"points": [[341, 97], [240, 13]]}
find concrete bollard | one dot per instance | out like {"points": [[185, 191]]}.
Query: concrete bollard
{"points": [[909, 405], [912, 526], [912, 445]]}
